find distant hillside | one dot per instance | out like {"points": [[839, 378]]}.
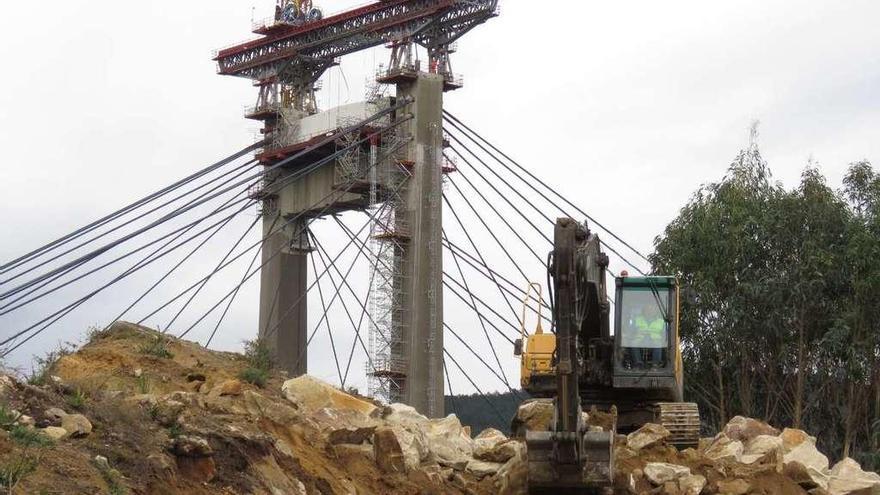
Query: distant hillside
{"points": [[494, 410]]}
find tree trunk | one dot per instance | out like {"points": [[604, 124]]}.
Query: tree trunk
{"points": [[722, 406], [849, 422], [801, 372]]}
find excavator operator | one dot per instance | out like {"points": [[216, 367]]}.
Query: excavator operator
{"points": [[648, 336]]}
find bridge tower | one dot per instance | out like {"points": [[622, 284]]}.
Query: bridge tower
{"points": [[406, 340]]}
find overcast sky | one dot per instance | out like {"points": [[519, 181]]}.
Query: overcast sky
{"points": [[625, 107]]}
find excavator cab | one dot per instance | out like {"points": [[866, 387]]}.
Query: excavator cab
{"points": [[646, 347]]}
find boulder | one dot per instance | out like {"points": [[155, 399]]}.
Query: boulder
{"points": [[533, 415], [725, 448], [76, 425], [310, 394], [502, 452], [101, 463], [744, 429], [191, 446], [404, 415], [659, 473], [792, 437], [806, 466], [646, 436], [691, 484], [481, 469], [734, 487], [25, 420], [56, 433], [486, 442], [353, 436], [449, 442], [231, 387], [671, 488], [167, 412], [762, 445], [387, 451], [847, 477], [54, 415]]}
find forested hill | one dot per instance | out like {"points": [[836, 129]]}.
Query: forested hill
{"points": [[494, 410]]}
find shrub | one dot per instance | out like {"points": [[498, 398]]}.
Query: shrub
{"points": [[157, 347], [254, 376], [258, 354], [76, 400], [43, 365]]}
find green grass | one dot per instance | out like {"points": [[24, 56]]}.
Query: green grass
{"points": [[7, 417], [157, 347], [254, 376], [113, 478], [175, 430], [17, 469], [76, 400], [143, 384], [29, 437]]}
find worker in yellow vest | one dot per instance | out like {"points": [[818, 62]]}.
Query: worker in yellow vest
{"points": [[650, 329]]}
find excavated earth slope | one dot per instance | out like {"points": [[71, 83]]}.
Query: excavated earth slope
{"points": [[135, 412]]}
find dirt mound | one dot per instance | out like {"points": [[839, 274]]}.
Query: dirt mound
{"points": [[136, 412]]}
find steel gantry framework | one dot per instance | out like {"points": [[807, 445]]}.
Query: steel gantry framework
{"points": [[289, 52]]}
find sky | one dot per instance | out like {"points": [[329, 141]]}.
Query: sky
{"points": [[626, 108]]}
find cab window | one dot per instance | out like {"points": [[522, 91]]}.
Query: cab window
{"points": [[644, 329]]}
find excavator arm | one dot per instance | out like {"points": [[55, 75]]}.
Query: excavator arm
{"points": [[571, 456]]}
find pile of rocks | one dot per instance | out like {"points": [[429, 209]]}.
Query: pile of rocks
{"points": [[400, 439], [731, 462]]}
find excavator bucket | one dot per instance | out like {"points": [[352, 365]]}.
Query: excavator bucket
{"points": [[592, 472]]}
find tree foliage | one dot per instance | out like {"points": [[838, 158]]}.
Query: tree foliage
{"points": [[779, 319]]}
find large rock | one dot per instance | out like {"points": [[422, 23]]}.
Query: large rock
{"points": [[354, 436], [191, 446], [763, 444], [744, 429], [647, 435], [734, 487], [231, 387], [659, 473], [724, 448], [481, 469], [387, 451], [76, 425], [410, 428], [449, 442], [486, 442], [792, 437], [691, 484], [54, 415], [847, 477], [533, 415], [310, 394], [806, 466], [56, 433]]}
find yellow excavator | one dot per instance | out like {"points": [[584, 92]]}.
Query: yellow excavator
{"points": [[633, 374]]}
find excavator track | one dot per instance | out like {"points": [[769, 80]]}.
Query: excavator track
{"points": [[682, 419]]}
